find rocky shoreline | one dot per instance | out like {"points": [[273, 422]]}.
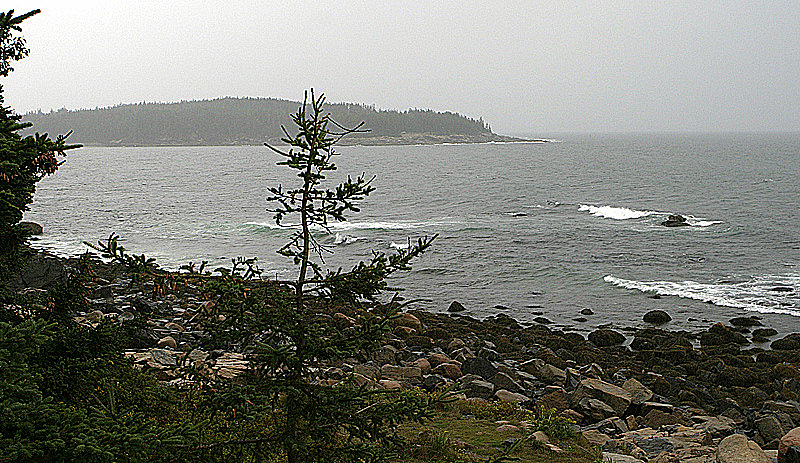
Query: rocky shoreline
{"points": [[655, 395]]}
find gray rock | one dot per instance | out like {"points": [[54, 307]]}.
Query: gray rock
{"points": [[736, 448], [479, 388], [478, 366], [639, 393], [616, 397]]}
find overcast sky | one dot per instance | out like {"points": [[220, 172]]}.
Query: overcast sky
{"points": [[525, 66]]}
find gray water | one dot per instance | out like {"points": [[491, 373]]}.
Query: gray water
{"points": [[538, 228]]}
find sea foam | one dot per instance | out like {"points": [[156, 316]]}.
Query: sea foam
{"points": [[766, 294], [616, 213]]}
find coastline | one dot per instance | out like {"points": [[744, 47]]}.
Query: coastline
{"points": [[652, 392], [424, 139]]}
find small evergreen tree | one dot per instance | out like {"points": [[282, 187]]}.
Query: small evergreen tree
{"points": [[293, 331]]}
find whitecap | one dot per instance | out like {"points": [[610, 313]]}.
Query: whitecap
{"points": [[342, 239], [616, 213], [756, 295], [400, 246]]}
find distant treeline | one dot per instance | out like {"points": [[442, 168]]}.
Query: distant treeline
{"points": [[235, 121]]}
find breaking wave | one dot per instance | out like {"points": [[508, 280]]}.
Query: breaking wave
{"points": [[778, 294], [616, 213]]}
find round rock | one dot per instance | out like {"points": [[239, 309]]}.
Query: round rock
{"points": [[656, 317]]}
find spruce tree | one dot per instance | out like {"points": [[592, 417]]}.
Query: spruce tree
{"points": [[23, 160]]}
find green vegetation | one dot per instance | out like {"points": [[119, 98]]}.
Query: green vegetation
{"points": [[242, 121], [23, 160]]}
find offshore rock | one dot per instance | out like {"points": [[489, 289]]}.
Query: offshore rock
{"points": [[456, 306], [675, 220], [656, 317]]}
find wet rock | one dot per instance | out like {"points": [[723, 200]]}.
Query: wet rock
{"points": [[789, 342], [736, 448], [587, 312], [616, 397], [31, 228], [719, 335], [765, 332], [745, 322], [606, 338], [456, 306], [656, 317], [542, 321], [675, 220]]}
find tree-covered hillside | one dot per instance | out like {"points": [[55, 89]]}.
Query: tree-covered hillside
{"points": [[242, 121]]}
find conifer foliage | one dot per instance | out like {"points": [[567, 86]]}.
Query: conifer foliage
{"points": [[23, 160]]}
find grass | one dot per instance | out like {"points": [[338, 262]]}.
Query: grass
{"points": [[466, 432]]}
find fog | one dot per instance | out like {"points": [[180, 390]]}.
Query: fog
{"points": [[533, 67]]}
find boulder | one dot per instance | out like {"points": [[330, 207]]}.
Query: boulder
{"points": [[656, 317], [31, 228], [606, 338], [504, 381], [507, 396], [448, 370], [789, 447], [554, 398], [616, 397], [478, 366], [587, 312], [433, 382], [409, 320], [609, 457], [720, 335], [736, 448], [479, 388], [747, 322], [437, 359], [456, 306], [675, 220], [639, 393], [789, 342], [167, 341]]}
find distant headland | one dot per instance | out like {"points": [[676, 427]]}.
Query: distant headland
{"points": [[254, 121]]}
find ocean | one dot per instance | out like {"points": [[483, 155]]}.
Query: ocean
{"points": [[527, 229]]}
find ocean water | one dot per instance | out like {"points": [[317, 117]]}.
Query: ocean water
{"points": [[524, 229]]}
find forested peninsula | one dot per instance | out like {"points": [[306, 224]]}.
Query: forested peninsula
{"points": [[252, 121]]}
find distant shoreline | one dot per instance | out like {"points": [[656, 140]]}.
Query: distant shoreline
{"points": [[402, 140]]}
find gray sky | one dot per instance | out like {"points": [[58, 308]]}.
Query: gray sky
{"points": [[524, 66]]}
